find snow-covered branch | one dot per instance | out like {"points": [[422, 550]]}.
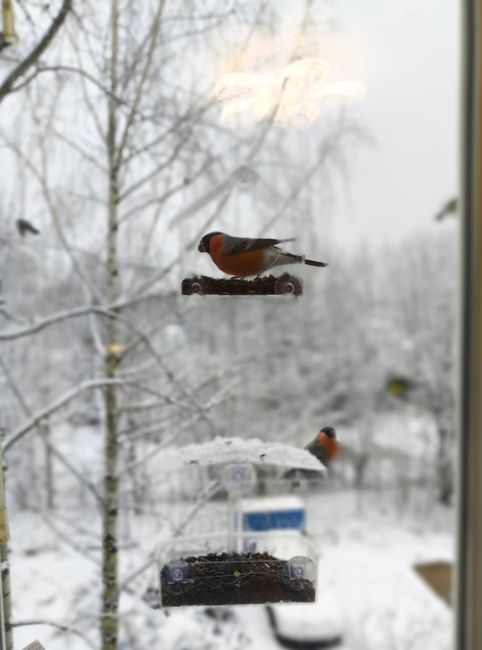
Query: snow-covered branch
{"points": [[34, 328], [64, 399]]}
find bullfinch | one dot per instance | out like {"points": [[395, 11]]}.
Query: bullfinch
{"points": [[242, 257], [324, 446]]}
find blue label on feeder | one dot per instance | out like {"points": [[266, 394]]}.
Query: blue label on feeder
{"points": [[281, 519]]}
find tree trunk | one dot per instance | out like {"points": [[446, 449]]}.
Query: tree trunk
{"points": [[110, 594], [44, 428], [6, 596]]}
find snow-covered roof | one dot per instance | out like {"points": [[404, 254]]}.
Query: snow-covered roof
{"points": [[221, 451]]}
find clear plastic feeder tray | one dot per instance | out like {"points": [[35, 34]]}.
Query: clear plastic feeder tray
{"points": [[266, 285], [267, 567]]}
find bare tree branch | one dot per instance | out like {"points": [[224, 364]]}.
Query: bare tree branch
{"points": [[208, 493], [54, 213], [60, 457], [106, 311], [34, 328], [154, 33], [64, 627], [55, 406], [7, 86]]}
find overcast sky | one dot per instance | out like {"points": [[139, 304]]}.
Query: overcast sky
{"points": [[411, 57]]}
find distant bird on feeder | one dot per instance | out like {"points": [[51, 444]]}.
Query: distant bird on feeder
{"points": [[242, 256], [324, 446], [25, 227]]}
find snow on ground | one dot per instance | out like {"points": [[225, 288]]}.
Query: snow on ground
{"points": [[367, 559], [385, 604], [367, 554], [50, 582]]}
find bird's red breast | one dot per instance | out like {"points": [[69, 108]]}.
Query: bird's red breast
{"points": [[239, 264], [330, 445]]}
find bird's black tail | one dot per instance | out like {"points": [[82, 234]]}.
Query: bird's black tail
{"points": [[301, 259], [314, 263]]}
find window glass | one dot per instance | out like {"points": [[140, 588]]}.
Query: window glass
{"points": [[228, 256]]}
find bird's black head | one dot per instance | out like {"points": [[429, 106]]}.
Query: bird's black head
{"points": [[203, 246], [329, 431]]}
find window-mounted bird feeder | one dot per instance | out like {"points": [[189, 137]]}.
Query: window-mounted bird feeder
{"points": [[268, 568], [269, 285], [237, 565]]}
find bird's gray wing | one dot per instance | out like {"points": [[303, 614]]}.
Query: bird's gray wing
{"points": [[235, 245]]}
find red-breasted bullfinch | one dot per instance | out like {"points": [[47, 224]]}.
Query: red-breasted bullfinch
{"points": [[325, 445], [242, 257]]}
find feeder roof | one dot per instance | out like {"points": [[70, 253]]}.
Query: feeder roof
{"points": [[222, 451]]}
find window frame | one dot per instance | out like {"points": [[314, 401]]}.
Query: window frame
{"points": [[468, 586]]}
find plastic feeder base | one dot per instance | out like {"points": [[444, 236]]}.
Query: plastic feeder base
{"points": [[269, 285], [233, 579]]}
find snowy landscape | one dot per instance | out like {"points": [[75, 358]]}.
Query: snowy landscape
{"points": [[127, 133], [366, 566]]}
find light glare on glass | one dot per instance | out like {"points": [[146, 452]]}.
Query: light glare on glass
{"points": [[261, 87]]}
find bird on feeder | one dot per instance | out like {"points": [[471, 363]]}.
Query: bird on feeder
{"points": [[243, 256], [324, 446]]}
